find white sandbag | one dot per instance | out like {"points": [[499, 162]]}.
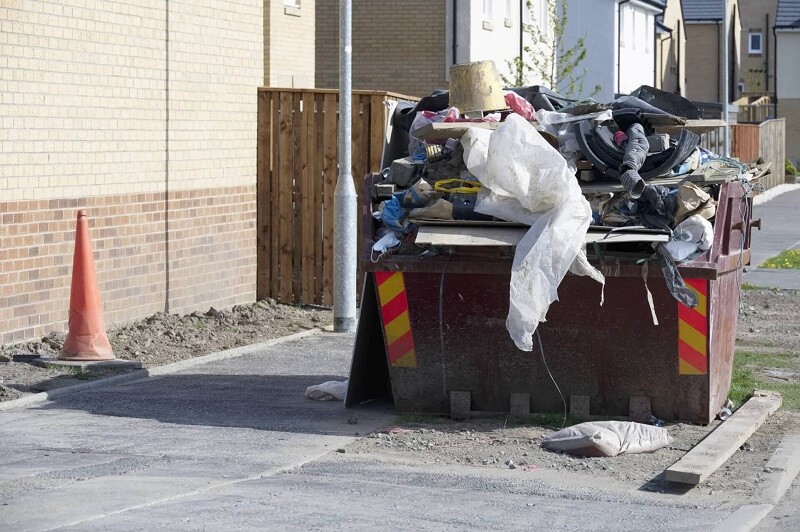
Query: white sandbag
{"points": [[328, 390], [527, 181], [608, 438]]}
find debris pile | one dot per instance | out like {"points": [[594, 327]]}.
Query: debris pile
{"points": [[547, 176]]}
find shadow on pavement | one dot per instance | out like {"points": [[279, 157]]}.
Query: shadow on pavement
{"points": [[264, 402]]}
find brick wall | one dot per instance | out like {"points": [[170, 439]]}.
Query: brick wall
{"points": [[789, 108], [115, 106], [289, 44], [408, 57]]}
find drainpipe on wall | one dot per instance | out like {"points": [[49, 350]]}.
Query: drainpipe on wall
{"points": [[521, 35], [455, 31], [766, 53], [619, 44], [725, 80], [661, 50], [680, 51], [775, 68]]}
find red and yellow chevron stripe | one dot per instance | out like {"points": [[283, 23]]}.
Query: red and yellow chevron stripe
{"points": [[693, 331], [396, 322]]}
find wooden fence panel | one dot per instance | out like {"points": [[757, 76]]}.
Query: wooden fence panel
{"points": [[297, 171], [772, 136], [745, 144]]}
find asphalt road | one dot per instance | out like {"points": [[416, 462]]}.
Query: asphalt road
{"points": [[780, 219], [235, 445]]}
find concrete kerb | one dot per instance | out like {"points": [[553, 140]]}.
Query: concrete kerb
{"points": [[780, 471], [153, 372]]}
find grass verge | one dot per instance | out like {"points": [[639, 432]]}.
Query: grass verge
{"points": [[748, 376], [788, 259]]}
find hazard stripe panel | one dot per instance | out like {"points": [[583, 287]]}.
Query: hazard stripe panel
{"points": [[693, 331], [396, 320]]}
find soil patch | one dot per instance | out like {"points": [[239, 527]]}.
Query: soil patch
{"points": [[157, 340]]}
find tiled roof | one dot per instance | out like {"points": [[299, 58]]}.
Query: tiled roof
{"points": [[788, 14], [702, 10]]}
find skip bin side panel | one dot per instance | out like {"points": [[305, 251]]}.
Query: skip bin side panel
{"points": [[616, 352], [610, 353], [722, 340]]}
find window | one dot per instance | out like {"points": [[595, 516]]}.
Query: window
{"points": [[291, 7], [509, 14], [487, 10], [754, 43]]}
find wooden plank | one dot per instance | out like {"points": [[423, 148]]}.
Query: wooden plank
{"points": [[435, 235], [450, 130], [599, 187], [377, 129], [275, 222], [698, 126], [263, 197], [705, 457], [319, 164], [329, 183], [357, 143], [285, 208], [307, 229], [453, 235], [298, 153]]}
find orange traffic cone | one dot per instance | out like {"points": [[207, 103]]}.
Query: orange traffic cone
{"points": [[87, 338]]}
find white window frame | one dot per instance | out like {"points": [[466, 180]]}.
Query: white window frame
{"points": [[487, 10], [750, 48], [291, 3]]}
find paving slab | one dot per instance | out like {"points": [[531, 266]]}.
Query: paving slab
{"points": [[109, 449]]}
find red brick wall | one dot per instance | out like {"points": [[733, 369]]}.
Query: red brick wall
{"points": [[207, 260]]}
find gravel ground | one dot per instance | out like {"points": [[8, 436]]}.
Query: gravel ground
{"points": [[159, 339]]}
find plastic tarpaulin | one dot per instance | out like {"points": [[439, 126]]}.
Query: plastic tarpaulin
{"points": [[526, 180]]}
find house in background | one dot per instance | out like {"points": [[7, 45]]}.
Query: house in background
{"points": [[757, 69], [620, 43], [787, 37], [408, 46], [705, 39], [671, 49], [290, 43]]}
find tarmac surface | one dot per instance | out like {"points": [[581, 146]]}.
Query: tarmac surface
{"points": [[235, 445], [780, 230]]}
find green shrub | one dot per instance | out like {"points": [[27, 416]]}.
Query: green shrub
{"points": [[790, 168]]}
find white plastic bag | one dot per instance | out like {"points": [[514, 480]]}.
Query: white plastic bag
{"points": [[695, 233], [528, 181], [328, 390], [608, 438]]}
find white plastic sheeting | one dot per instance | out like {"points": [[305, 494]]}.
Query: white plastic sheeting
{"points": [[526, 180]]}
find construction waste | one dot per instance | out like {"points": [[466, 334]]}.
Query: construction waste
{"points": [[627, 177]]}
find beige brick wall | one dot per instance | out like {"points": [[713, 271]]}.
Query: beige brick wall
{"points": [[702, 62], [397, 46], [145, 113], [83, 93], [790, 109], [289, 44]]}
